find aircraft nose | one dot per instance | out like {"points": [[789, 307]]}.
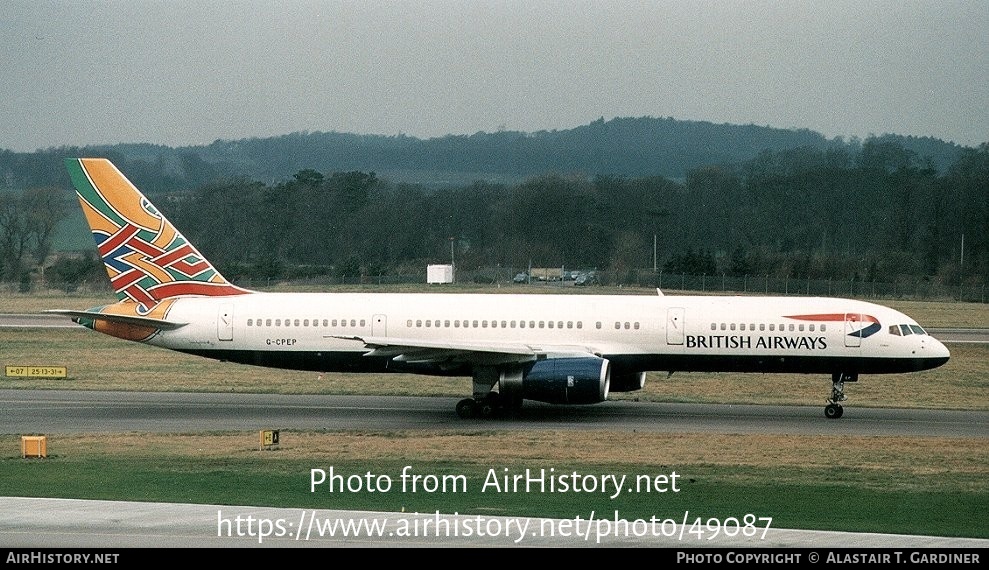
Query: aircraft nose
{"points": [[939, 350], [935, 352]]}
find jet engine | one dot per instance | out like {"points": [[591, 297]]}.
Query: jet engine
{"points": [[569, 380]]}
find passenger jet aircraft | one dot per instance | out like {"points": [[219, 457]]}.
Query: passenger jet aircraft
{"points": [[561, 349]]}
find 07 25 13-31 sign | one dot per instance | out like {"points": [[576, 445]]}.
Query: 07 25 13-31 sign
{"points": [[36, 371], [268, 438]]}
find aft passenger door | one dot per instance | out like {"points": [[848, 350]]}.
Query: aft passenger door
{"points": [[674, 325], [225, 322]]}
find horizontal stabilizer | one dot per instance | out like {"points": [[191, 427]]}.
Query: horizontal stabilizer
{"points": [[122, 319]]}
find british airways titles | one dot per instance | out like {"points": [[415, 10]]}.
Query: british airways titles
{"points": [[758, 342]]}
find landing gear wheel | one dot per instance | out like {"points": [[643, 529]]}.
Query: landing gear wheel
{"points": [[487, 410], [833, 411], [490, 406], [467, 408]]}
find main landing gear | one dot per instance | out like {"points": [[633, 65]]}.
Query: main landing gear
{"points": [[834, 410], [488, 403], [494, 405], [487, 407]]}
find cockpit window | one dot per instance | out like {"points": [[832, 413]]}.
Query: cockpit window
{"points": [[905, 330]]}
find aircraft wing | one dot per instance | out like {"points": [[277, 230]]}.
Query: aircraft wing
{"points": [[488, 353]]}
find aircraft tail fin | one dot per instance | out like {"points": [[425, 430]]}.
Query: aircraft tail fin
{"points": [[146, 258]]}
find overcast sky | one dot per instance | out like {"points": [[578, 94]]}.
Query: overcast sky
{"points": [[182, 73]]}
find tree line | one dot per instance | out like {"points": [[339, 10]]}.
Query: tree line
{"points": [[872, 212], [880, 214]]}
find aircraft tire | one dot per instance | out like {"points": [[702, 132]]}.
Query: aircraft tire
{"points": [[467, 408], [833, 411], [487, 410]]}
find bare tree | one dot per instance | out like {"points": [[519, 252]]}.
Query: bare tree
{"points": [[44, 209], [27, 226], [14, 237]]}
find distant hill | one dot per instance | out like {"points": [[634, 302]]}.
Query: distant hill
{"points": [[624, 147], [629, 147]]}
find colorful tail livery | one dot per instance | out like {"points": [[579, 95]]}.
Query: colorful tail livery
{"points": [[147, 259], [559, 349]]}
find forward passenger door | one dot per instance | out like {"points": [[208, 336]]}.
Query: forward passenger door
{"points": [[674, 325]]}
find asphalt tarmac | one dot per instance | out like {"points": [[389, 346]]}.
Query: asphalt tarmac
{"points": [[70, 523], [67, 411]]}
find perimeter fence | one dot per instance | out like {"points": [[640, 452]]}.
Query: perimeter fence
{"points": [[596, 281]]}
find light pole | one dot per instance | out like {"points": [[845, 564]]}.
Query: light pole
{"points": [[657, 215], [453, 265]]}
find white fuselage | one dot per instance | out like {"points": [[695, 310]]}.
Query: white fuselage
{"points": [[333, 331]]}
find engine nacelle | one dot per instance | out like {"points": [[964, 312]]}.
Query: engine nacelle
{"points": [[627, 381], [571, 380]]}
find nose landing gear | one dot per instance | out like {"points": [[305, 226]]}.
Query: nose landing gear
{"points": [[834, 410]]}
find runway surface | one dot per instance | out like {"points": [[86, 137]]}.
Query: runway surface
{"points": [[974, 336], [28, 523], [65, 411]]}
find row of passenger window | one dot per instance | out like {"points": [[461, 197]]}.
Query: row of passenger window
{"points": [[437, 323], [899, 330], [771, 327], [305, 322], [483, 324]]}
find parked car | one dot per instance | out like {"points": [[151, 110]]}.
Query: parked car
{"points": [[521, 278], [588, 278]]}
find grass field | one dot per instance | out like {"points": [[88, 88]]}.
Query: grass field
{"points": [[905, 485]]}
